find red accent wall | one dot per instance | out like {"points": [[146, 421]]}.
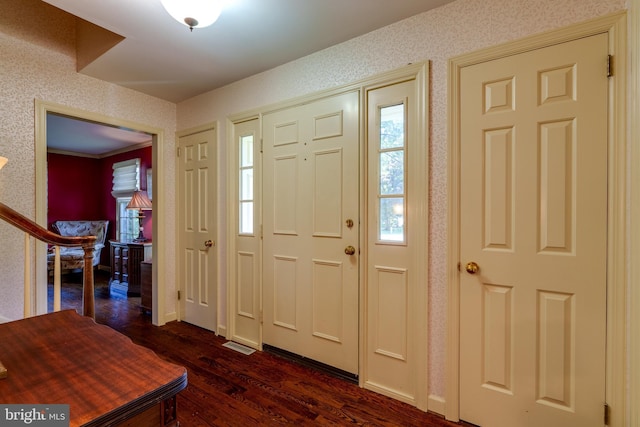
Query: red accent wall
{"points": [[79, 188], [73, 188]]}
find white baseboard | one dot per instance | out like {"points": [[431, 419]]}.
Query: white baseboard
{"points": [[222, 331], [4, 319], [436, 404]]}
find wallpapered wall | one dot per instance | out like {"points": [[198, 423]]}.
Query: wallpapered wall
{"points": [[38, 62], [460, 27]]}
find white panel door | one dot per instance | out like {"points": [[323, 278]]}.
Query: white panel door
{"points": [[197, 228], [533, 237], [311, 201]]}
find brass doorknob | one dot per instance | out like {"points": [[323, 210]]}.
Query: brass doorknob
{"points": [[472, 267], [349, 250], [208, 243]]}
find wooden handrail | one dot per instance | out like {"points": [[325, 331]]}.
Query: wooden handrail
{"points": [[86, 242]]}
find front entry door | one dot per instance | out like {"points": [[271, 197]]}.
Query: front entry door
{"points": [[197, 228], [311, 252], [533, 237]]}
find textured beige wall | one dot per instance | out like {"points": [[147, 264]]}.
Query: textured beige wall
{"points": [[37, 61], [460, 27]]}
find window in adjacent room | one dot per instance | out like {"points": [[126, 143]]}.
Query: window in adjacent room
{"points": [[126, 180]]}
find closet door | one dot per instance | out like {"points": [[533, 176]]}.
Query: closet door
{"points": [[197, 232]]}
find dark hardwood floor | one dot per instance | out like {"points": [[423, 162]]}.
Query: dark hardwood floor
{"points": [[228, 388]]}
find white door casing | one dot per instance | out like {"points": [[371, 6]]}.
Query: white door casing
{"points": [[197, 224], [159, 316], [549, 391]]}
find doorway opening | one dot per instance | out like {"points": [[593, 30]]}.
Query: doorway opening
{"points": [[46, 116]]}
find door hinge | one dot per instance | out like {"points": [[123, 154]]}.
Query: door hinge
{"points": [[261, 317], [261, 142], [609, 65], [178, 295], [607, 414], [178, 150]]}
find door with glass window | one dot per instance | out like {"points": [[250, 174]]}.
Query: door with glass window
{"points": [[393, 313], [311, 220], [245, 291]]}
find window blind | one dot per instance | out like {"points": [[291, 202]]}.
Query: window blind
{"points": [[126, 178]]}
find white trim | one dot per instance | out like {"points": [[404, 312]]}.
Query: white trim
{"points": [[437, 404], [42, 108], [633, 413], [615, 26]]}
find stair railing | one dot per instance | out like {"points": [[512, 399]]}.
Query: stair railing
{"points": [[87, 243]]}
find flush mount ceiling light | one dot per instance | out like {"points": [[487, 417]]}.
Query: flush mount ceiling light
{"points": [[194, 13]]}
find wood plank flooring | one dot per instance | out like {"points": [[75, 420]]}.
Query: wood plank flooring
{"points": [[228, 388]]}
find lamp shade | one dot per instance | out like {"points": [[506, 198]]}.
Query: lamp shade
{"points": [[3, 161], [194, 13], [140, 201]]}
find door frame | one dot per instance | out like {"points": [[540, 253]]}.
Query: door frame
{"points": [[420, 73], [615, 26], [42, 108], [634, 251]]}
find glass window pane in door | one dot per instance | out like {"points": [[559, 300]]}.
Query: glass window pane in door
{"points": [[392, 172], [246, 151], [246, 218], [246, 181], [391, 219], [392, 126]]}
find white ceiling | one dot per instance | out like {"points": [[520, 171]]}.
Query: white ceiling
{"points": [[162, 58], [71, 135]]}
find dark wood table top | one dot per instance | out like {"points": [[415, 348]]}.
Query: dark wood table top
{"points": [[65, 358]]}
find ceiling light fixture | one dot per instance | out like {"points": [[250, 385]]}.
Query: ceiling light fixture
{"points": [[194, 13]]}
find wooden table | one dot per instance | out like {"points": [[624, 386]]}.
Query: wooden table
{"points": [[65, 358]]}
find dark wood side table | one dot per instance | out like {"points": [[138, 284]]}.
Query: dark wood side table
{"points": [[65, 358], [125, 265], [146, 290]]}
